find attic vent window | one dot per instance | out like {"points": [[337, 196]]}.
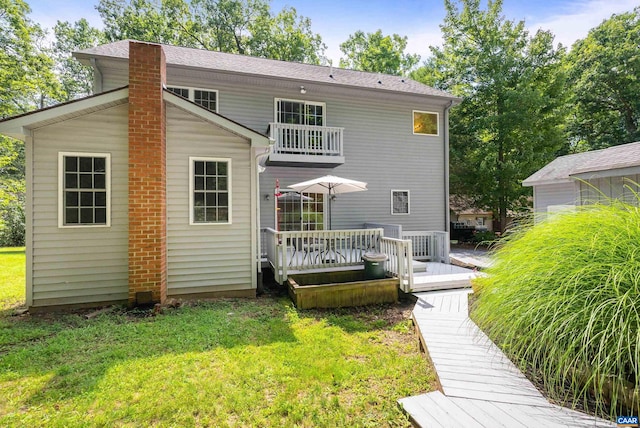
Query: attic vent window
{"points": [[207, 98]]}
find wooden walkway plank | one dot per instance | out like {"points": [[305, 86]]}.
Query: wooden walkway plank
{"points": [[480, 385]]}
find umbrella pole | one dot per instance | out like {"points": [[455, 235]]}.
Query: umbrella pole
{"points": [[329, 209]]}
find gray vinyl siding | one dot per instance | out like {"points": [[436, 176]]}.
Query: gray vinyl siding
{"points": [[83, 264], [379, 145], [553, 194], [206, 258]]}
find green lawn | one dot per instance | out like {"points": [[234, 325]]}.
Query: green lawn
{"points": [[227, 363]]}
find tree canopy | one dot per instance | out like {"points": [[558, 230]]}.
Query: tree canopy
{"points": [[376, 52], [605, 80], [246, 27], [509, 123]]}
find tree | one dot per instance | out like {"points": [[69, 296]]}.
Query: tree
{"points": [[76, 79], [376, 52], [168, 21], [27, 81], [509, 123], [604, 73], [246, 27]]}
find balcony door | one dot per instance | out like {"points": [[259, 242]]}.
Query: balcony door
{"points": [[295, 112], [306, 119], [296, 212]]}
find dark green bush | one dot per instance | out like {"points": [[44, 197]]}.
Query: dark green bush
{"points": [[563, 300]]}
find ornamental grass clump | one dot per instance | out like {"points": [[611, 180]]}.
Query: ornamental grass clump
{"points": [[563, 300]]}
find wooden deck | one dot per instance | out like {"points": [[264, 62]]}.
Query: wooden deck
{"points": [[480, 386]]}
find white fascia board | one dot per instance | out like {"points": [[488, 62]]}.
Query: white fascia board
{"points": [[19, 126]]}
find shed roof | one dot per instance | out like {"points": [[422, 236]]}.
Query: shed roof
{"points": [[563, 168], [254, 66]]}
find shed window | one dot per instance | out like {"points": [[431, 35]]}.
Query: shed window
{"points": [[84, 189], [210, 191], [206, 98], [425, 123], [399, 202]]}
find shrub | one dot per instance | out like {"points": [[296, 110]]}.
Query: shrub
{"points": [[563, 300]]}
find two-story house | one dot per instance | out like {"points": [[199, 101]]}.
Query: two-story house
{"points": [[159, 184]]}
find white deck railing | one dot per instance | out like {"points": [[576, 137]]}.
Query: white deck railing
{"points": [[317, 250], [429, 246], [400, 263], [306, 139], [390, 230]]}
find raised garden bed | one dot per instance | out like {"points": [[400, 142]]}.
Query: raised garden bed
{"points": [[340, 289]]}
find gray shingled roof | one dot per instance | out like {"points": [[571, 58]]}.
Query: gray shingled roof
{"points": [[241, 64], [561, 169], [622, 156]]}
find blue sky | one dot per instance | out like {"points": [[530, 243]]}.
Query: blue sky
{"points": [[419, 20]]}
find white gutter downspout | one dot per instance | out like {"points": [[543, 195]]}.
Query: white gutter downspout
{"points": [[447, 215], [97, 77], [257, 231]]}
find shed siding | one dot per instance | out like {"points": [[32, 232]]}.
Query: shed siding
{"points": [[602, 189], [206, 258], [553, 194], [84, 264]]}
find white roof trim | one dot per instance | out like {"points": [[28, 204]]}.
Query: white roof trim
{"points": [[19, 126], [531, 183], [257, 139], [614, 172]]}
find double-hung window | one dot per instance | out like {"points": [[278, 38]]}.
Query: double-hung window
{"points": [[84, 190], [210, 190], [207, 98]]}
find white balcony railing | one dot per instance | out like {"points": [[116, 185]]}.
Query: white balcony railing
{"points": [[306, 140]]}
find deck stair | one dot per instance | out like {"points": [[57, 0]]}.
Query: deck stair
{"points": [[480, 386]]}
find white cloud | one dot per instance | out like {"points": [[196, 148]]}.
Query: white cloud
{"points": [[580, 17]]}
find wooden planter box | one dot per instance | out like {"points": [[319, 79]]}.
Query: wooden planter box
{"points": [[340, 289]]}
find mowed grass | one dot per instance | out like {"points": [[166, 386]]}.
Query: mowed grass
{"points": [[238, 362], [12, 266]]}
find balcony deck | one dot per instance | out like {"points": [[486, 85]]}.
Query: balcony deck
{"points": [[306, 145]]}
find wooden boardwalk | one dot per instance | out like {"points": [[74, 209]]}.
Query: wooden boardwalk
{"points": [[480, 386]]}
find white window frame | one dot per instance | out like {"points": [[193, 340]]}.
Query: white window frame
{"points": [[61, 199], [192, 94], [408, 201], [305, 102], [192, 160], [437, 134]]}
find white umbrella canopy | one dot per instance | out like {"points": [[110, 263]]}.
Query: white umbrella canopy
{"points": [[329, 185]]}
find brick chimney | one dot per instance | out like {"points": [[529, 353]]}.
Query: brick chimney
{"points": [[147, 175]]}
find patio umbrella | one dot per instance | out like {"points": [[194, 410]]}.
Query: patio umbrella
{"points": [[329, 185]]}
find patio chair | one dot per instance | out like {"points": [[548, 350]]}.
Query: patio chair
{"points": [[307, 246]]}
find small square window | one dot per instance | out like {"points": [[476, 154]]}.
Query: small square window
{"points": [[399, 202], [425, 123]]}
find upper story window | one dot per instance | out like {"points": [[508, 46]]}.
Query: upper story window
{"points": [[425, 123], [84, 191], [297, 112], [205, 97], [210, 194], [399, 202]]}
